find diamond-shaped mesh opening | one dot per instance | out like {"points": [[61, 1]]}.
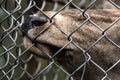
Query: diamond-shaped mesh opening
{"points": [[114, 38], [106, 54]]}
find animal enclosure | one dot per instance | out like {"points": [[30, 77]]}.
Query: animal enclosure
{"points": [[17, 63]]}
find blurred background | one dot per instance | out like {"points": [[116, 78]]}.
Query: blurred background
{"points": [[15, 62]]}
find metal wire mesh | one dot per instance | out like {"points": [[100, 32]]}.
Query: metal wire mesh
{"points": [[18, 64]]}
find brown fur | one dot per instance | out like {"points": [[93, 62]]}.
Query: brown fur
{"points": [[104, 53]]}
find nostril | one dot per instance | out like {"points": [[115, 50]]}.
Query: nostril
{"points": [[31, 22], [38, 21]]}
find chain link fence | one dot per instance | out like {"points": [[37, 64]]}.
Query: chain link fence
{"points": [[16, 63]]}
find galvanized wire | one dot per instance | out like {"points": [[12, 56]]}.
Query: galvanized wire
{"points": [[15, 60]]}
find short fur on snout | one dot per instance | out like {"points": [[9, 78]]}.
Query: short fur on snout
{"points": [[77, 42]]}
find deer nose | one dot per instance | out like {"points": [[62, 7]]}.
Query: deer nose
{"points": [[32, 22], [38, 21]]}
